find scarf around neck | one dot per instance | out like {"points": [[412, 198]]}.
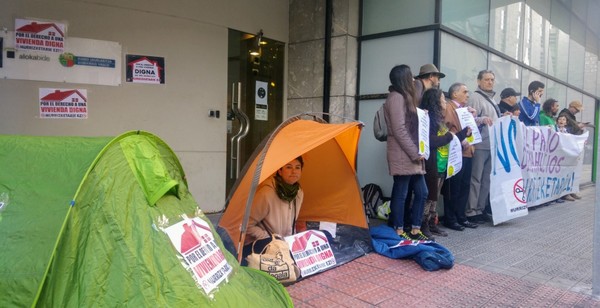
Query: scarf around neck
{"points": [[284, 190]]}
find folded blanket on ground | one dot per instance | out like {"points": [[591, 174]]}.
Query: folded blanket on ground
{"points": [[430, 255]]}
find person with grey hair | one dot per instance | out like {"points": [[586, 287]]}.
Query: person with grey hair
{"points": [[456, 188], [487, 112]]}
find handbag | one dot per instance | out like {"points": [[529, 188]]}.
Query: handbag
{"points": [[275, 259]]}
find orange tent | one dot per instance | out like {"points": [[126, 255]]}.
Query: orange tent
{"points": [[331, 189]]}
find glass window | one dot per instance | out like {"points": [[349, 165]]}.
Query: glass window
{"points": [[560, 16], [506, 27], [576, 54], [588, 156], [558, 53], [508, 74], [380, 55], [556, 91], [388, 15], [535, 38], [371, 166], [468, 17], [590, 69], [461, 62]]}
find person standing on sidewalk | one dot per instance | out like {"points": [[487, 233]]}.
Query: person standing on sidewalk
{"points": [[456, 188], [434, 102], [530, 104], [404, 161], [487, 112]]}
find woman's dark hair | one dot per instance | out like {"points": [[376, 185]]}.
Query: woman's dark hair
{"points": [[402, 82], [431, 102], [299, 159], [547, 106]]}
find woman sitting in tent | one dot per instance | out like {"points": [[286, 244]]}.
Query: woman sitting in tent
{"points": [[275, 207]]}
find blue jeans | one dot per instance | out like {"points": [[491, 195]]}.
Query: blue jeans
{"points": [[399, 194]]}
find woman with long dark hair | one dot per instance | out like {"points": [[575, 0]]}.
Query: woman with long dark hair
{"points": [[404, 162], [434, 101]]}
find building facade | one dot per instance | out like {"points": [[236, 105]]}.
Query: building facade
{"points": [[553, 41]]}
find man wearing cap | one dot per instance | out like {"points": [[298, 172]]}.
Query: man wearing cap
{"points": [[530, 104], [508, 100], [429, 77], [574, 127], [483, 102]]}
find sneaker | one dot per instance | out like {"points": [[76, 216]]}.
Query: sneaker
{"points": [[405, 236], [576, 196], [568, 198], [560, 200], [419, 236]]}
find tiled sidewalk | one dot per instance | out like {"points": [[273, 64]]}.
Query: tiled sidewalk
{"points": [[526, 262], [377, 281]]}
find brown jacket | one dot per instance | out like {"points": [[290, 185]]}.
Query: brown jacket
{"points": [[402, 148], [276, 213], [453, 124]]}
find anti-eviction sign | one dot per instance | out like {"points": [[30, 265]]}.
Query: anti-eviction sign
{"points": [[63, 103], [531, 165], [311, 251], [39, 36], [145, 69], [196, 243]]}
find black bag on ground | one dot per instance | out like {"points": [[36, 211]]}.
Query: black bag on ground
{"points": [[372, 197]]}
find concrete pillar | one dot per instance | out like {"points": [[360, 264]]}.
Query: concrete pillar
{"points": [[306, 57]]}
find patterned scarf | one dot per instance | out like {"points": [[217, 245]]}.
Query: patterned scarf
{"points": [[284, 190]]}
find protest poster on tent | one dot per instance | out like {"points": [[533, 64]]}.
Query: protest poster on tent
{"points": [[467, 119], [531, 165], [63, 103], [311, 251], [195, 242], [423, 133]]}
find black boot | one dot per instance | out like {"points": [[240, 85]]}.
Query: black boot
{"points": [[425, 230], [433, 228]]}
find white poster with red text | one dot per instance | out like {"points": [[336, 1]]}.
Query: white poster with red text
{"points": [[195, 242], [63, 103], [311, 251]]}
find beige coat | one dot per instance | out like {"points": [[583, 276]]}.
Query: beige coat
{"points": [[402, 148], [276, 213]]}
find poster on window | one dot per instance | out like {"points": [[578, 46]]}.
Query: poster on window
{"points": [[63, 103], [145, 69], [261, 109]]}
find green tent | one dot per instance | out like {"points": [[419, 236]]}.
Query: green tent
{"points": [[84, 221]]}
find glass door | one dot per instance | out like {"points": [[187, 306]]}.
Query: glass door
{"points": [[255, 96]]}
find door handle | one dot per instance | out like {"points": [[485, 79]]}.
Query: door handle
{"points": [[234, 159]]}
